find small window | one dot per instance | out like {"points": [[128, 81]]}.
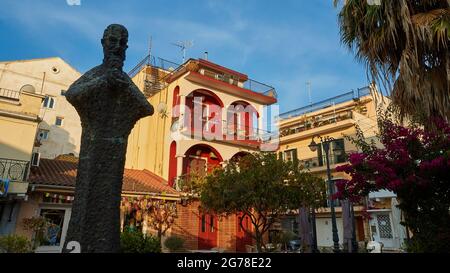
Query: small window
{"points": [[59, 121], [35, 159], [290, 155], [53, 231], [49, 102], [43, 134]]}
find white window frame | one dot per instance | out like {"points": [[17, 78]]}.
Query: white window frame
{"points": [[34, 161], [49, 101], [67, 214], [62, 121], [207, 118]]}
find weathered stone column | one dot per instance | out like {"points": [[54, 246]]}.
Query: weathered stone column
{"points": [[109, 104]]}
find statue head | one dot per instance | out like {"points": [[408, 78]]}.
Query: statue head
{"points": [[114, 41]]}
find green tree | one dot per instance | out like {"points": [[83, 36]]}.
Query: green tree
{"points": [[404, 44], [15, 244], [260, 186]]}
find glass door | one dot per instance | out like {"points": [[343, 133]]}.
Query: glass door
{"points": [[51, 240]]}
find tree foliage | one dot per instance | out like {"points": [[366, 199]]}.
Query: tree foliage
{"points": [[414, 163], [134, 241], [14, 244], [262, 187], [405, 45]]}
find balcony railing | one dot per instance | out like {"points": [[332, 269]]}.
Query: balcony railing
{"points": [[317, 121], [13, 170], [321, 161], [249, 84], [9, 94], [262, 88], [172, 68], [155, 62], [233, 132], [352, 95]]}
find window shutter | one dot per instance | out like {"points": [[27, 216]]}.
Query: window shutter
{"points": [[295, 158]]}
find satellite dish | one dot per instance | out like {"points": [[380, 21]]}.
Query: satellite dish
{"points": [[161, 108]]}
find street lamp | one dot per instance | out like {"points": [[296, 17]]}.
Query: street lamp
{"points": [[326, 141]]}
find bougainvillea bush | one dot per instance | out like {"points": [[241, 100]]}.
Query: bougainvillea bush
{"points": [[415, 164]]}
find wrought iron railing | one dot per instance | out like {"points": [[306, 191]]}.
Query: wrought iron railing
{"points": [[13, 170], [9, 94], [352, 95]]}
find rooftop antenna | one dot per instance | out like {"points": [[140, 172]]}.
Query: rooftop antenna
{"points": [[149, 51], [308, 86], [183, 45]]}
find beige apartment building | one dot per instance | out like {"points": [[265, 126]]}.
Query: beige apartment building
{"points": [[338, 117], [59, 128]]}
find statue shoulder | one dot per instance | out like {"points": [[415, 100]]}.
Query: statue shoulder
{"points": [[88, 76], [84, 83]]}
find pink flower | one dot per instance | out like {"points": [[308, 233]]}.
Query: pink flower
{"points": [[356, 158]]}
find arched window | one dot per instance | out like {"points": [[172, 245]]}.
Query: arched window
{"points": [[49, 102], [28, 88]]}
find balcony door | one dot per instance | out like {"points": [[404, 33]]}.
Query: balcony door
{"points": [[382, 229], [334, 158], [243, 238], [207, 234]]}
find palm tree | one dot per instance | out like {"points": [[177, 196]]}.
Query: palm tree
{"points": [[404, 44]]}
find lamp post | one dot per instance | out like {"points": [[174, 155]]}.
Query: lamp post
{"points": [[326, 141], [313, 220]]}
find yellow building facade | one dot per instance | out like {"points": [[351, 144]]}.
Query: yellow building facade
{"points": [[19, 119], [337, 118]]}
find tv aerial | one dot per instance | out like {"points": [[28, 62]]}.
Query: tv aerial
{"points": [[184, 45]]}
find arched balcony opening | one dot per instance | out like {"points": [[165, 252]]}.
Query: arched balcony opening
{"points": [[203, 113], [176, 103], [200, 160], [242, 121], [238, 156]]}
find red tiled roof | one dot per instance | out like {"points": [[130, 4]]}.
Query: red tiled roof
{"points": [[63, 172]]}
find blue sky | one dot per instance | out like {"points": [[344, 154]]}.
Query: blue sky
{"points": [[282, 43]]}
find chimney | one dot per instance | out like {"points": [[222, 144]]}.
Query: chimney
{"points": [[206, 55]]}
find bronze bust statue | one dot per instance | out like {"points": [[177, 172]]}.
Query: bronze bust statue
{"points": [[109, 104]]}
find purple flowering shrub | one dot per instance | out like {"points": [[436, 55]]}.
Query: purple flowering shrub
{"points": [[414, 163]]}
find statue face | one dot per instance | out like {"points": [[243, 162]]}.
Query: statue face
{"points": [[114, 43]]}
